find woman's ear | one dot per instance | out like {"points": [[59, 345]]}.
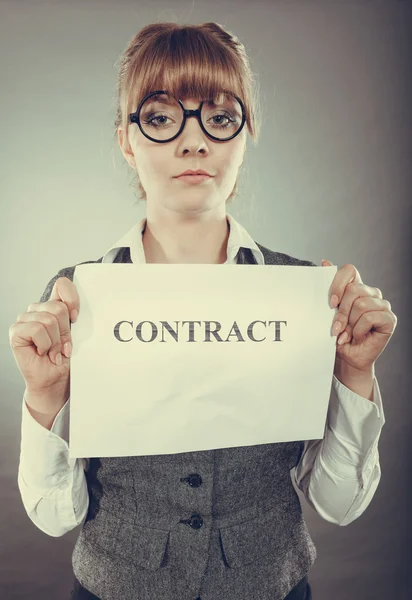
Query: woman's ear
{"points": [[125, 147]]}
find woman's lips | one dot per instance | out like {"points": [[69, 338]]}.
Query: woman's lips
{"points": [[193, 178]]}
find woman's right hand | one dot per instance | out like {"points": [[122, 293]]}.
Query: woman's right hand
{"points": [[37, 338]]}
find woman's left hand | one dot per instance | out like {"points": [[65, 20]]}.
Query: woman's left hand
{"points": [[366, 321]]}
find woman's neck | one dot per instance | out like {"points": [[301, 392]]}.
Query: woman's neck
{"points": [[206, 243]]}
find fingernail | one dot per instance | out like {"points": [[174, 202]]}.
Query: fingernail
{"points": [[343, 338], [336, 327], [73, 315], [334, 301], [59, 359], [67, 349]]}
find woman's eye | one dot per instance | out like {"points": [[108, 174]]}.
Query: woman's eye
{"points": [[162, 117], [221, 123], [154, 121]]}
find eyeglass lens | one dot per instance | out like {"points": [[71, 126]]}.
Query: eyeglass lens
{"points": [[161, 116]]}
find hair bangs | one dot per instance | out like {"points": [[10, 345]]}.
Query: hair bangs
{"points": [[187, 65]]}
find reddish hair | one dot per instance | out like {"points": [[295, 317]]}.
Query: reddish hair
{"points": [[194, 61]]}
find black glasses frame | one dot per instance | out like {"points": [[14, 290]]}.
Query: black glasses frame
{"points": [[135, 118]]}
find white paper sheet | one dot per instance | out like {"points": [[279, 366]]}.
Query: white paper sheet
{"points": [[132, 397]]}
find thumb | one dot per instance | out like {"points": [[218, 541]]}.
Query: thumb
{"points": [[326, 263]]}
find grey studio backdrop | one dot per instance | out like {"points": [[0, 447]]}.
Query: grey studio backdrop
{"points": [[330, 178]]}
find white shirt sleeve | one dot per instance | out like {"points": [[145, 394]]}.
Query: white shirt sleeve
{"points": [[339, 474], [53, 486]]}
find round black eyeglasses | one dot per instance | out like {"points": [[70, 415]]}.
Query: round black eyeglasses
{"points": [[180, 113]]}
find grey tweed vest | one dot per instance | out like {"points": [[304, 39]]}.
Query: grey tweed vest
{"points": [[222, 524]]}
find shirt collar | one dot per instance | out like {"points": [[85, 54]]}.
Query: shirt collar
{"points": [[238, 237]]}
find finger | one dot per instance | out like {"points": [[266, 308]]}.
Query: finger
{"points": [[372, 305], [380, 321], [345, 336], [65, 290], [353, 291], [366, 304], [345, 275], [50, 324], [22, 334], [60, 310]]}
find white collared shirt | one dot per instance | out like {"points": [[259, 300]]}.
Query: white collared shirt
{"points": [[338, 474]]}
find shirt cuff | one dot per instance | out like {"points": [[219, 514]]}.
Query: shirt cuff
{"points": [[60, 426], [44, 454], [352, 434], [353, 417]]}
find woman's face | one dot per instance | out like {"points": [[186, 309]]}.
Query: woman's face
{"points": [[158, 165]]}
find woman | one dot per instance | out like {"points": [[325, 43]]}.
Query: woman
{"points": [[224, 523]]}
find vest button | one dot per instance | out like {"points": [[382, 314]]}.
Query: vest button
{"points": [[194, 480], [196, 522]]}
